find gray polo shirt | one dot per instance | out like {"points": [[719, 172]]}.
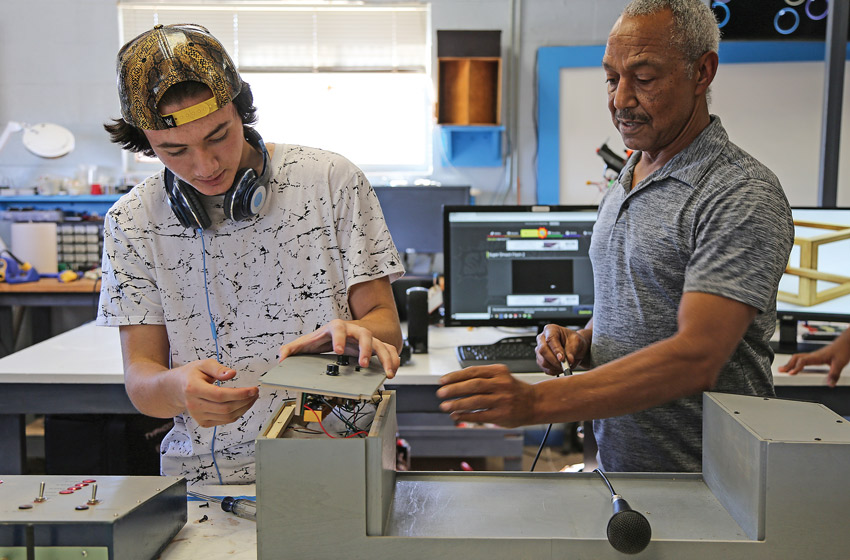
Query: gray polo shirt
{"points": [[713, 220]]}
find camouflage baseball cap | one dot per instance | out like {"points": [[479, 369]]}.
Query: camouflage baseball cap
{"points": [[167, 55]]}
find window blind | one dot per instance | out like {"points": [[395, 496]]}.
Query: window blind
{"points": [[300, 37]]}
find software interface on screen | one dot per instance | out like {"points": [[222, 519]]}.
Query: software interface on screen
{"points": [[514, 265]]}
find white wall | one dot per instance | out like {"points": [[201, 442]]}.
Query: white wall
{"points": [[57, 62], [771, 110], [774, 111], [62, 70]]}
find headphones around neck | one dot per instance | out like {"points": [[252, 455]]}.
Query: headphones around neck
{"points": [[243, 200]]}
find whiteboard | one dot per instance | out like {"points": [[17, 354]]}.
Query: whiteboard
{"points": [[773, 110]]}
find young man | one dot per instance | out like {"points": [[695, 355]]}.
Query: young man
{"points": [[687, 252], [236, 255]]}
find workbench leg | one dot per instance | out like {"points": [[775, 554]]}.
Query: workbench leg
{"points": [[13, 442], [7, 331], [41, 324]]}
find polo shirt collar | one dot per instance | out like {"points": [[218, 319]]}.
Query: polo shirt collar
{"points": [[689, 165]]}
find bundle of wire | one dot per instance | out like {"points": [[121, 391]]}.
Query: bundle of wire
{"points": [[356, 414]]}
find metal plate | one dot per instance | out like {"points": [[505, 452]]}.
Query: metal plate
{"points": [[308, 374]]}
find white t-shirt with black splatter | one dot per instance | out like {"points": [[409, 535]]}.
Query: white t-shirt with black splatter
{"points": [[271, 278]]}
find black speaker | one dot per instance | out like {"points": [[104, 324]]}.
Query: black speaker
{"points": [[244, 199], [417, 319], [400, 288]]}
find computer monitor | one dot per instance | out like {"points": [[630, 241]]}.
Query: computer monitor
{"points": [[816, 283], [414, 215], [518, 265]]}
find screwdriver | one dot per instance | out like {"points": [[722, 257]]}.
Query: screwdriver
{"points": [[240, 507]]}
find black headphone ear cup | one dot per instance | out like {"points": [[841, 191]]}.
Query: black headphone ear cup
{"points": [[184, 203], [233, 207], [248, 194], [246, 197]]}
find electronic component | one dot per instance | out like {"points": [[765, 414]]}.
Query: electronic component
{"points": [[328, 384]]}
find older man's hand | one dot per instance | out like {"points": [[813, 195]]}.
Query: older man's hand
{"points": [[487, 394]]}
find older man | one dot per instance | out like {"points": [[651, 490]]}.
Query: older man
{"points": [[687, 251]]}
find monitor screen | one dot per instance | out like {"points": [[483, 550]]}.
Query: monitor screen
{"points": [[816, 283], [518, 265], [414, 215]]}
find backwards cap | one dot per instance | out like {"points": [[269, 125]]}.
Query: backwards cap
{"points": [[167, 55]]}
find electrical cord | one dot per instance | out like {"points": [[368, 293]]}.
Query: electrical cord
{"points": [[350, 422], [605, 478], [215, 340], [328, 433], [540, 449], [565, 365]]}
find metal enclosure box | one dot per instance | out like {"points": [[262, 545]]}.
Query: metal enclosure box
{"points": [[780, 469], [135, 519], [774, 486], [363, 468]]}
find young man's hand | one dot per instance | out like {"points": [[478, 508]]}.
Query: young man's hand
{"points": [[207, 403], [345, 337]]}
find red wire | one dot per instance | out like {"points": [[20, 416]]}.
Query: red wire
{"points": [[326, 432], [320, 422]]}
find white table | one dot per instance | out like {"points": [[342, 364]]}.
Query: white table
{"points": [[220, 535], [77, 372], [81, 371]]}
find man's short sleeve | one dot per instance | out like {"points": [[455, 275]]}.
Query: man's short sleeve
{"points": [[128, 295], [361, 229], [742, 242]]}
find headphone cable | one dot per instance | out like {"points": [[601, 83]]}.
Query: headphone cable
{"points": [[215, 340]]}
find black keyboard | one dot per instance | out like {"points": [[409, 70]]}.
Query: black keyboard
{"points": [[516, 352]]}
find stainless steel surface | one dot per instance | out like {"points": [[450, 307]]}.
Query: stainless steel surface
{"points": [[553, 506]]}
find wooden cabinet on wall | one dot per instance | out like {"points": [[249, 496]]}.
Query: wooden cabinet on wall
{"points": [[469, 76], [469, 105], [470, 90]]}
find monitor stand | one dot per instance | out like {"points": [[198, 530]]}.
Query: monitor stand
{"points": [[787, 343]]}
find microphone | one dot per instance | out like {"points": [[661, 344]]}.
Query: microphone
{"points": [[628, 530]]}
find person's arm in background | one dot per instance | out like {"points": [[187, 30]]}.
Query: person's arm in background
{"points": [[710, 327], [375, 329], [158, 391], [836, 354]]}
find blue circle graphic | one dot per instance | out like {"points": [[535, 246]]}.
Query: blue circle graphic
{"points": [[787, 30], [726, 9], [819, 16]]}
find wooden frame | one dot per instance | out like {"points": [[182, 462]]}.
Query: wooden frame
{"points": [[808, 272]]}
